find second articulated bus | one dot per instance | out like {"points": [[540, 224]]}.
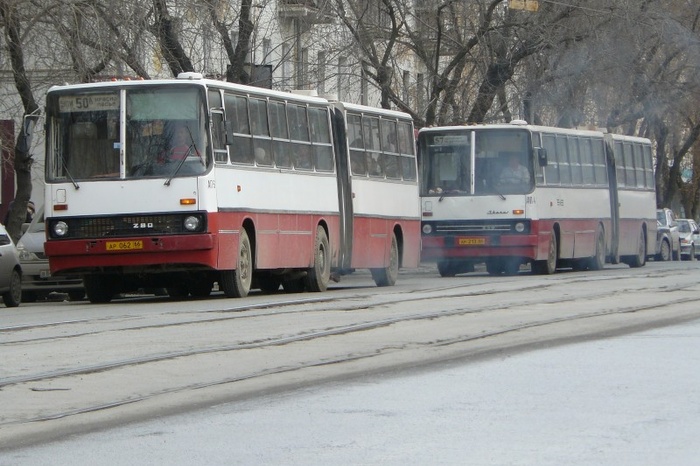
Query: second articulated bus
{"points": [[514, 194], [183, 183]]}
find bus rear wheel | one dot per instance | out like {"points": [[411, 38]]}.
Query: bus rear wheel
{"points": [[236, 283], [388, 275], [639, 259], [319, 275]]}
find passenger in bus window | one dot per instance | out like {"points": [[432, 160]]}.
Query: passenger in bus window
{"points": [[513, 172], [181, 145]]}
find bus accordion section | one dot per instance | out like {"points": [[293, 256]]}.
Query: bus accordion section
{"points": [[514, 194], [186, 183]]}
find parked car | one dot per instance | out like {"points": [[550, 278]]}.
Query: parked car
{"points": [[10, 271], [37, 281], [689, 233], [668, 241]]}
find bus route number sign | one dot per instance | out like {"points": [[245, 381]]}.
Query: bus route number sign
{"points": [[88, 102], [124, 245], [471, 241]]}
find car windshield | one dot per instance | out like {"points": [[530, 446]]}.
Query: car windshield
{"points": [[685, 227]]}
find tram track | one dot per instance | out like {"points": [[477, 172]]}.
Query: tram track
{"points": [[294, 335]]}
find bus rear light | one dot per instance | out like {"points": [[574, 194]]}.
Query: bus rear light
{"points": [[60, 207], [188, 201], [518, 212]]}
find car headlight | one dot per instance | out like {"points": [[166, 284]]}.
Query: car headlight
{"points": [[25, 255]]}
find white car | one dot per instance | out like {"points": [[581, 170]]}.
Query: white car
{"points": [[37, 281], [688, 231], [10, 271]]}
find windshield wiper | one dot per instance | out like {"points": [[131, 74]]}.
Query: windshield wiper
{"points": [[70, 177], [187, 154], [179, 165]]}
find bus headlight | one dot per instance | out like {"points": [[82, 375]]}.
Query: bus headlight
{"points": [[191, 223], [519, 227], [60, 229], [427, 228]]}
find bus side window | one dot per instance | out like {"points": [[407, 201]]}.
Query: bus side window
{"points": [[218, 132], [241, 150], [321, 139], [551, 171], [280, 136], [299, 134], [358, 163], [586, 161], [262, 148], [599, 163], [407, 150]]}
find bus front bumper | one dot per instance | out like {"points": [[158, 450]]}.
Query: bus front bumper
{"points": [[83, 255]]}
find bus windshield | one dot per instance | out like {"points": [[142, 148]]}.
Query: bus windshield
{"points": [[162, 136], [476, 162]]}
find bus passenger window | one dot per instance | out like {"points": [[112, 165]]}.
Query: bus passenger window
{"points": [[281, 150], [373, 165], [302, 157], [323, 156], [358, 163]]}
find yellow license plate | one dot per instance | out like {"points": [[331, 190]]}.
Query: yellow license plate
{"points": [[471, 241], [124, 245]]}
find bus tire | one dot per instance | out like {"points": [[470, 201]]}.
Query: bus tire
{"points": [[236, 283], [98, 289], [597, 262], [639, 259], [319, 275], [548, 266], [446, 269], [387, 276]]}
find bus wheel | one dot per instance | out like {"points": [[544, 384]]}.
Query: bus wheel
{"points": [[495, 267], [200, 285], [597, 262], [319, 275], [98, 289], [549, 266], [387, 276], [511, 266], [236, 283], [446, 269], [639, 259]]}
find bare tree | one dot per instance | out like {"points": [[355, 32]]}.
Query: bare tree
{"points": [[11, 22]]}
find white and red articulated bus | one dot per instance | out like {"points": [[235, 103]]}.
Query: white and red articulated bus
{"points": [[187, 182], [513, 194]]}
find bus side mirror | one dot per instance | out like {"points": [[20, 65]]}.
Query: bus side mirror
{"points": [[541, 156]]}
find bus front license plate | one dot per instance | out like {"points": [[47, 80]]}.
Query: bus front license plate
{"points": [[471, 241], [124, 245]]}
